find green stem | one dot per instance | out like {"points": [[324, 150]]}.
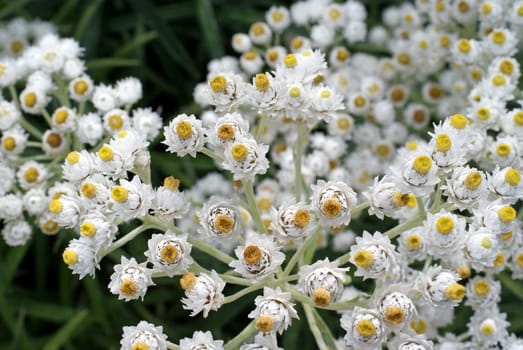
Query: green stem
{"points": [[298, 154], [81, 108], [515, 287], [359, 208], [410, 223], [211, 154], [47, 118], [237, 341], [37, 134], [300, 252], [124, 240], [34, 144], [62, 93], [204, 247], [172, 346], [244, 291], [253, 209], [314, 327], [437, 198], [261, 126]]}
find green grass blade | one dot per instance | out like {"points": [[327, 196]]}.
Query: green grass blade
{"points": [[86, 19], [67, 331], [12, 7], [111, 63], [210, 29], [135, 43]]}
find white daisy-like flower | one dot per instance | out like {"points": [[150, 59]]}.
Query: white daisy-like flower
{"points": [[228, 128], [332, 202], [225, 91], [489, 326], [219, 219], [413, 244], [104, 98], [113, 162], [497, 217], [245, 158], [375, 257], [322, 281], [66, 210], [128, 90], [80, 257], [365, 328], [258, 258], [16, 232], [131, 199], [77, 166], [169, 253], [506, 184], [201, 341], [483, 292], [184, 135], [417, 173], [203, 293], [9, 115], [440, 287], [90, 129], [144, 335], [33, 100], [81, 88], [481, 248], [99, 227], [31, 174], [147, 121], [386, 199], [407, 341], [262, 342], [395, 306], [292, 223], [11, 207], [130, 280], [466, 187], [64, 119], [169, 202], [274, 311], [35, 201], [115, 120], [13, 142], [445, 234]]}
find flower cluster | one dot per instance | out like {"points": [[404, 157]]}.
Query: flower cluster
{"points": [[307, 131]]}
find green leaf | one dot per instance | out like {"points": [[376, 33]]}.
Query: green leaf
{"points": [[111, 63], [325, 330], [12, 7], [12, 261], [67, 331], [45, 311], [135, 43], [210, 29], [65, 11], [166, 36], [86, 19]]}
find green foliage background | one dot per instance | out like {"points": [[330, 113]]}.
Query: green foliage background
{"points": [[167, 44]]}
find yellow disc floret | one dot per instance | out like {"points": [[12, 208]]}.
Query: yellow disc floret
{"points": [[218, 84], [9, 143], [507, 214], [455, 291], [473, 180], [363, 258], [321, 297], [73, 157], [87, 229], [70, 257], [265, 323], [55, 206], [444, 225], [302, 218], [261, 82], [252, 254], [443, 142], [331, 207], [395, 314], [184, 129], [223, 223], [481, 287], [458, 121], [30, 99], [422, 164], [106, 153], [80, 87], [239, 152], [119, 194], [169, 254], [366, 328], [413, 241], [188, 281], [512, 177], [128, 287]]}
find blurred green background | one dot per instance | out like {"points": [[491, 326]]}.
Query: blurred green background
{"points": [[166, 44]]}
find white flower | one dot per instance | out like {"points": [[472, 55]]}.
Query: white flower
{"points": [[203, 293], [245, 158], [489, 327], [201, 341], [99, 227], [395, 306], [169, 202], [241, 42], [9, 115], [332, 202], [225, 91], [260, 33], [365, 329], [385, 198], [497, 217], [219, 219], [406, 341], [77, 166], [147, 122], [115, 120], [322, 281], [128, 90], [445, 234], [228, 128], [81, 88], [16, 232], [375, 257], [292, 222], [104, 98], [80, 257], [11, 207], [35, 201], [416, 173], [64, 119], [90, 129], [483, 292], [262, 342], [65, 210], [413, 244], [481, 248], [466, 187], [144, 335], [14, 142], [258, 258], [131, 199], [440, 287], [506, 184], [130, 280], [169, 253], [32, 100], [184, 135], [274, 311]]}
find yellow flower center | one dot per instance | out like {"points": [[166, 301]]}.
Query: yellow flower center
{"points": [[383, 150], [499, 80], [486, 8], [518, 118], [486, 243], [363, 259], [184, 129], [30, 99], [397, 95], [297, 43], [360, 101], [252, 254], [483, 113], [463, 7], [411, 145], [458, 121], [128, 287], [503, 150], [334, 14], [499, 260], [188, 281], [321, 297], [512, 177], [487, 329], [464, 46], [302, 218], [443, 142], [171, 183], [277, 16], [290, 61], [395, 314], [507, 214], [80, 87], [87, 229], [473, 180], [481, 287], [400, 199], [223, 223], [250, 55], [31, 175], [403, 58], [115, 122], [169, 253], [73, 157], [420, 116], [294, 91], [140, 346], [506, 67], [264, 203], [419, 326], [257, 29], [455, 291], [413, 241], [343, 124], [105, 153], [435, 92], [366, 328], [331, 207], [463, 271], [444, 41], [70, 257], [444, 225], [9, 143], [61, 116], [261, 82], [218, 84], [239, 152], [54, 140], [88, 190], [264, 323], [17, 46], [225, 132], [507, 235], [342, 54], [499, 37], [422, 164], [119, 194]]}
